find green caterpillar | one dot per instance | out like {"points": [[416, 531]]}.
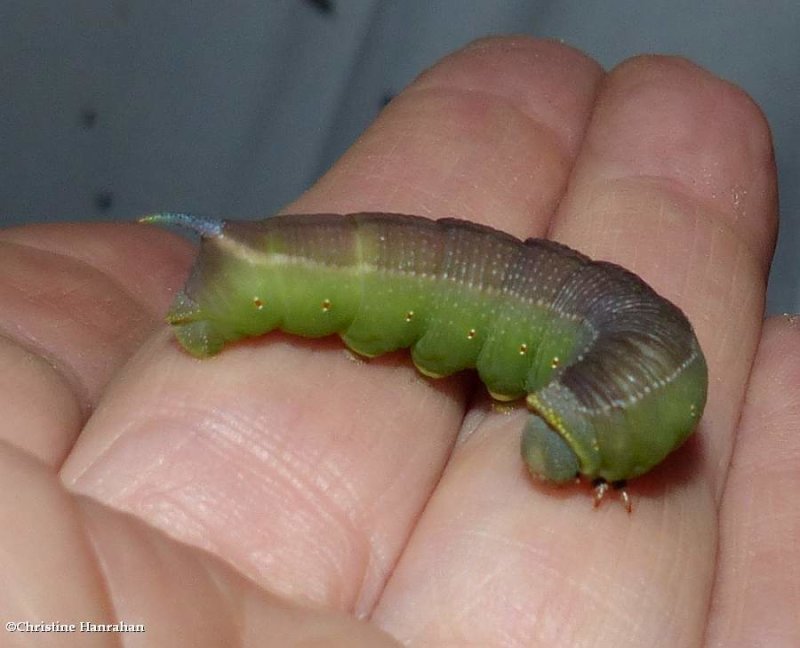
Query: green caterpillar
{"points": [[612, 373]]}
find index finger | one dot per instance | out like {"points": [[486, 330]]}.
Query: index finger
{"points": [[303, 468]]}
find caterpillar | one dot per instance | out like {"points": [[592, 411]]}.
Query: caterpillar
{"points": [[612, 373]]}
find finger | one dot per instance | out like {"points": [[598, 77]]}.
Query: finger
{"points": [[653, 189], [71, 561], [301, 467], [77, 300], [756, 595], [488, 135], [669, 186]]}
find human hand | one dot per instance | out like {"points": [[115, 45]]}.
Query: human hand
{"points": [[344, 489]]}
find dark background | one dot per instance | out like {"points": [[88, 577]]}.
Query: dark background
{"points": [[113, 109]]}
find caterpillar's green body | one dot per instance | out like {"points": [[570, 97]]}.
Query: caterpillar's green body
{"points": [[613, 373]]}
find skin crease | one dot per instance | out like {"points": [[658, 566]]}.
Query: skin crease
{"points": [[279, 492]]}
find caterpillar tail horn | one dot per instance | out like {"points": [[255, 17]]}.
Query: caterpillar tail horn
{"points": [[202, 225]]}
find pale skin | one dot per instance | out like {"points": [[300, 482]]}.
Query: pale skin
{"points": [[281, 492]]}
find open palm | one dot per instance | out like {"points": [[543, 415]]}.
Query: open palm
{"points": [[284, 492]]}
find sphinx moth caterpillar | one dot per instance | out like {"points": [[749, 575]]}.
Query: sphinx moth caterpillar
{"points": [[612, 373]]}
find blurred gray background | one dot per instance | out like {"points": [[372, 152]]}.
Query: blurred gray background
{"points": [[114, 108]]}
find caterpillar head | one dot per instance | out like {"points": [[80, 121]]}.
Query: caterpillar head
{"points": [[546, 453]]}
